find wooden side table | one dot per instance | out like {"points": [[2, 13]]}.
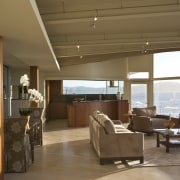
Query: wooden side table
{"points": [[130, 116]]}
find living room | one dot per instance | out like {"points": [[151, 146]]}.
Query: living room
{"points": [[20, 56]]}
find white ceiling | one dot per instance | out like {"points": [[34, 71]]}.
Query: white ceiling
{"points": [[122, 29], [25, 41]]}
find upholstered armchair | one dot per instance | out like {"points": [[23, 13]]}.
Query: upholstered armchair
{"points": [[17, 147], [146, 119], [35, 122]]}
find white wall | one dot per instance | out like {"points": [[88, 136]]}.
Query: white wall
{"points": [[140, 63], [115, 69], [106, 70], [17, 73]]}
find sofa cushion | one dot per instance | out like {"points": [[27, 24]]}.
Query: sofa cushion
{"points": [[106, 122], [123, 131], [151, 111], [95, 113], [140, 111]]}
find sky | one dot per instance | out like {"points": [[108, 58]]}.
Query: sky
{"points": [[168, 64]]}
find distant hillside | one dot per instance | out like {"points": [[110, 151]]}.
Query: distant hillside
{"points": [[166, 87], [84, 90]]}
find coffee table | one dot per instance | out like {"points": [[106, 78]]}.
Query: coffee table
{"points": [[170, 138]]}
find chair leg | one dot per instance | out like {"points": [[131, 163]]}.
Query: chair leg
{"points": [[142, 160]]}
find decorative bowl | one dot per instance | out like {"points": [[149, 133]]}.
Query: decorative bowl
{"points": [[169, 124]]}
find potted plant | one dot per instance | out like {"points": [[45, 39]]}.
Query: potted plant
{"points": [[32, 95]]}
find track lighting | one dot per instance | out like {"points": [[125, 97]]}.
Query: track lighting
{"points": [[93, 25], [145, 46], [78, 46]]}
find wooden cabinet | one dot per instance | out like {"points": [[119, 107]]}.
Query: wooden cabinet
{"points": [[58, 110], [78, 112]]}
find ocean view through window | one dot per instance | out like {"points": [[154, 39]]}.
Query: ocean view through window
{"points": [[166, 91], [167, 97], [91, 87]]}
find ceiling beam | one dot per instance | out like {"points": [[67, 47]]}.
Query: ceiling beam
{"points": [[110, 14]]}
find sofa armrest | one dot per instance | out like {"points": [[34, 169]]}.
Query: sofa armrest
{"points": [[142, 123], [163, 116]]}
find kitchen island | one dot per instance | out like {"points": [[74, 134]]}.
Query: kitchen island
{"points": [[79, 111]]}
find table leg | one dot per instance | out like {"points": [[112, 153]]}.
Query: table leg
{"points": [[167, 144], [157, 139]]}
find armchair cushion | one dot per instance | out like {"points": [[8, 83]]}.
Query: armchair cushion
{"points": [[139, 111], [151, 111]]}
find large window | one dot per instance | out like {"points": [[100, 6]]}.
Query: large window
{"points": [[167, 96], [167, 64], [92, 87], [167, 83]]}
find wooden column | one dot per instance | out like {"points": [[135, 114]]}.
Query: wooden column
{"points": [[34, 81], [1, 113], [47, 90], [53, 88]]}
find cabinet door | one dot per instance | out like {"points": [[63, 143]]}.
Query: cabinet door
{"points": [[123, 108], [71, 118], [81, 117]]}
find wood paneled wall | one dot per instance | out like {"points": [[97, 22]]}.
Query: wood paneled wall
{"points": [[53, 87], [34, 81], [1, 113]]}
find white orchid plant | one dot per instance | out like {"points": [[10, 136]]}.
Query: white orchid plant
{"points": [[24, 80], [34, 95]]}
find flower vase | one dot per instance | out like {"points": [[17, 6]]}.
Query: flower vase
{"points": [[118, 96], [24, 111], [34, 104]]}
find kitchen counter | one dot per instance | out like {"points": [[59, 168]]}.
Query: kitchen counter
{"points": [[79, 111]]}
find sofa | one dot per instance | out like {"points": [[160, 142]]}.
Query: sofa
{"points": [[146, 119], [112, 141]]}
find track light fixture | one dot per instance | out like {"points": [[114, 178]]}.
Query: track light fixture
{"points": [[93, 25], [78, 46], [145, 46]]}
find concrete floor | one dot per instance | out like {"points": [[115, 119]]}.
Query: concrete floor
{"points": [[67, 154]]}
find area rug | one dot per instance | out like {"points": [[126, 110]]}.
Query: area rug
{"points": [[157, 156]]}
